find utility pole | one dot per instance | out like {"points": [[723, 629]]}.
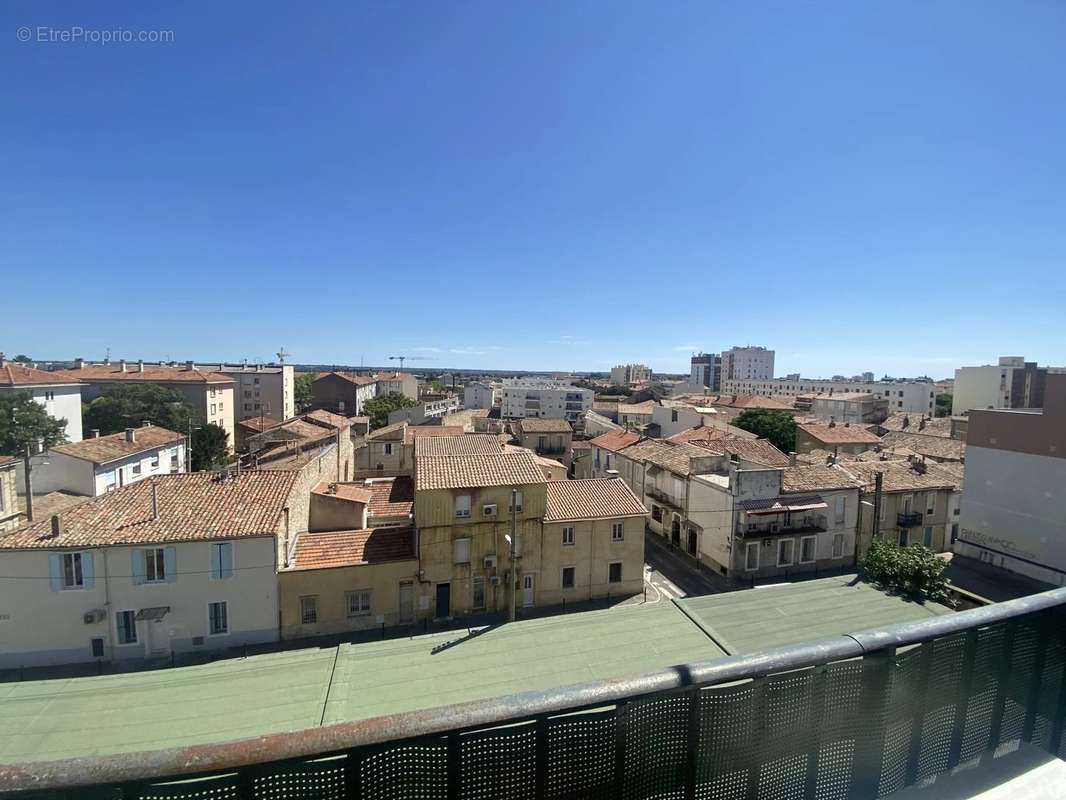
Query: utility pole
{"points": [[875, 524], [514, 548], [28, 468]]}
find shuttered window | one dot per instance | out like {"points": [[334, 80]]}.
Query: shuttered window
{"points": [[217, 619]]}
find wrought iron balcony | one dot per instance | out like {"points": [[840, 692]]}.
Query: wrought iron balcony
{"points": [[909, 519], [854, 716]]}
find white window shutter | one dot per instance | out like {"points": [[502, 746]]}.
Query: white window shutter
{"points": [[170, 563], [227, 559], [137, 566], [55, 572], [88, 575]]}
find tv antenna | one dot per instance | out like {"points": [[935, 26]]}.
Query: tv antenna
{"points": [[282, 355]]}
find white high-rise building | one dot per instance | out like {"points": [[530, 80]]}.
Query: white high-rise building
{"points": [[478, 394], [625, 374], [747, 363], [531, 397]]}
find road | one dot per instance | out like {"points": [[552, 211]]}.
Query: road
{"points": [[670, 575]]}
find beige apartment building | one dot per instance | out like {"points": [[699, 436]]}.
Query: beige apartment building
{"points": [[210, 393], [262, 389], [545, 436], [10, 517]]}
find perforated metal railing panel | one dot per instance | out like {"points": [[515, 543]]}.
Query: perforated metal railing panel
{"points": [[863, 727]]}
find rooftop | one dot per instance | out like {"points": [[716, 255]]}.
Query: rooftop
{"points": [[412, 432], [915, 423], [841, 433], [466, 444], [759, 451], [102, 449], [592, 498], [676, 458], [900, 476], [297, 689], [544, 425], [391, 497], [929, 445], [14, 373], [324, 417], [816, 478], [461, 472], [356, 492], [615, 440], [351, 377], [258, 424], [352, 548], [647, 407], [149, 373], [192, 507]]}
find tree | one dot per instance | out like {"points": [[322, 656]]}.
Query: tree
{"points": [[302, 390], [777, 426], [614, 391], [23, 359], [24, 422], [943, 405], [379, 408], [121, 407], [209, 447], [914, 571]]}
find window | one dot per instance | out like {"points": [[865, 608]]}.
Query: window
{"points": [[927, 539], [617, 531], [49, 395], [785, 549], [517, 502], [136, 470], [73, 577], [174, 463], [461, 551], [309, 610], [751, 556], [247, 393], [808, 548], [614, 572], [568, 535], [217, 619], [841, 508], [568, 578], [462, 505], [357, 603], [387, 448], [97, 644], [930, 502], [221, 560], [126, 627], [154, 464], [656, 513], [542, 442], [838, 545], [212, 409], [477, 588], [154, 565], [247, 406]]}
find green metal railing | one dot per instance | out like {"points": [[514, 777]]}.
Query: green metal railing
{"points": [[859, 715]]}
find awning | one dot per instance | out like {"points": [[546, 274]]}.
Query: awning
{"points": [[153, 614], [782, 506]]}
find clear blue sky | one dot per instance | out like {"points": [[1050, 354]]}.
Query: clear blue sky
{"points": [[550, 185]]}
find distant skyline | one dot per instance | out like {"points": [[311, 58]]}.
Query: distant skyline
{"points": [[519, 186]]}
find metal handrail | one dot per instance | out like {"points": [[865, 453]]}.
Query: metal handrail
{"points": [[323, 741]]}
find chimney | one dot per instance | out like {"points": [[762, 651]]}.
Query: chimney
{"points": [[921, 424], [140, 365], [906, 422], [155, 503], [122, 365], [131, 435], [95, 433], [107, 361], [57, 525], [146, 423], [792, 459], [190, 366], [832, 422], [258, 367], [3, 361], [79, 363]]}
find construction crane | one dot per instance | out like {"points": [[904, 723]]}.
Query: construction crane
{"points": [[398, 358], [281, 354]]}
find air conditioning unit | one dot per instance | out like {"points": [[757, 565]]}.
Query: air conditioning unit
{"points": [[94, 616], [489, 510], [495, 580], [490, 561]]}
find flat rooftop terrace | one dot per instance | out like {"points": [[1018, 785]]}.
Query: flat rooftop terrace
{"points": [[296, 689]]}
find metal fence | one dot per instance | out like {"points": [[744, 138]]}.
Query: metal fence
{"points": [[860, 715]]}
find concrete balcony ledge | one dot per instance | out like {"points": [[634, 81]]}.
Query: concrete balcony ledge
{"points": [[1024, 772]]}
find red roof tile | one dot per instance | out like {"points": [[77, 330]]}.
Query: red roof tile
{"points": [[352, 548], [615, 440], [16, 374], [391, 497]]}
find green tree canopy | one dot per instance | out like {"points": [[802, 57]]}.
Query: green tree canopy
{"points": [[302, 390], [777, 426], [943, 405], [121, 407], [24, 422], [208, 447], [22, 358], [914, 571], [379, 408]]}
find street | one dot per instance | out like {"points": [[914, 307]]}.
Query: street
{"points": [[670, 575]]}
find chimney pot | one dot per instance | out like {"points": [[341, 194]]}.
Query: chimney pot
{"points": [[95, 432], [146, 423], [57, 525], [131, 434], [79, 363], [190, 365], [140, 365], [122, 365]]}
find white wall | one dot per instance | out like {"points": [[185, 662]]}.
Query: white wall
{"points": [[981, 387], [40, 626], [65, 403], [477, 395], [58, 472], [917, 398]]}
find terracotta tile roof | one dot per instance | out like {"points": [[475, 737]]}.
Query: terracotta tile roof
{"points": [[391, 376], [676, 458], [356, 492], [192, 507], [581, 444], [931, 446], [591, 498], [701, 434], [259, 424], [460, 472], [153, 373], [644, 408], [294, 429], [358, 380], [467, 444], [328, 418], [744, 401], [352, 548], [615, 440], [8, 461], [102, 449], [359, 420], [393, 432], [415, 431], [838, 434], [16, 374], [939, 426], [816, 478], [544, 425], [760, 451], [391, 497], [899, 476]]}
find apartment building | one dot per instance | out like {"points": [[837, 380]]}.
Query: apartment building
{"points": [[856, 408], [636, 415], [545, 436], [343, 392], [747, 364], [391, 450], [59, 394], [844, 438], [676, 416], [174, 564], [760, 522], [706, 371], [262, 389], [912, 397], [526, 397], [478, 394], [1012, 383], [1012, 501], [10, 517], [210, 393], [397, 383], [626, 374], [603, 458], [101, 464], [430, 407]]}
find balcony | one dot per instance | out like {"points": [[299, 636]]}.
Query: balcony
{"points": [[808, 524], [665, 498], [860, 715], [909, 519]]}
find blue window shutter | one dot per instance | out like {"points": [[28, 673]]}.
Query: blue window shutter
{"points": [[170, 564], [137, 566], [55, 572], [216, 564], [88, 576], [227, 560]]}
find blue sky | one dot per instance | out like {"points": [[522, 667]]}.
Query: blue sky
{"points": [[557, 185]]}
